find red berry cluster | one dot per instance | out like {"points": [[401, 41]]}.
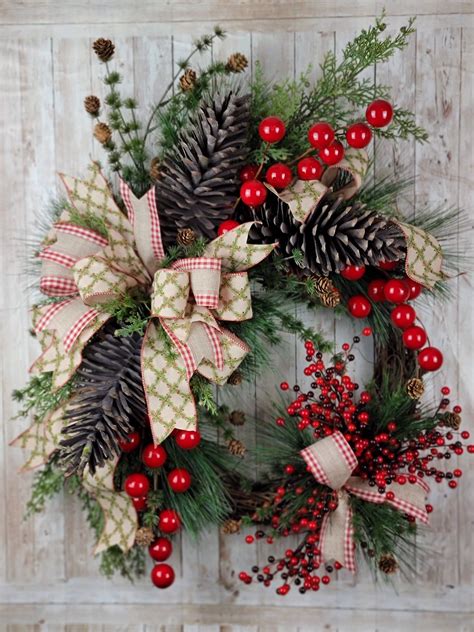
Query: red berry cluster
{"points": [[396, 292]]}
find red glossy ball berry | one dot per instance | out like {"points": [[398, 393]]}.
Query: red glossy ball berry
{"points": [[227, 226], [168, 521], [253, 193], [279, 175], [388, 265], [375, 290], [359, 306], [131, 442], [160, 549], [414, 337], [162, 575], [403, 316], [333, 154], [188, 439], [271, 129], [430, 359], [140, 503], [154, 456], [179, 480], [248, 172], [358, 135], [414, 288], [379, 113], [137, 485], [309, 169], [321, 135], [353, 273], [396, 291]]}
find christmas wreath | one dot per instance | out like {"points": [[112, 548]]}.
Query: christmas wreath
{"points": [[178, 271]]}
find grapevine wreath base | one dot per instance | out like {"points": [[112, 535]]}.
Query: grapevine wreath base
{"points": [[178, 271]]}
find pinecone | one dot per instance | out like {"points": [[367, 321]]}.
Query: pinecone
{"points": [[144, 536], [323, 284], [104, 49], [231, 526], [330, 299], [109, 402], [198, 186], [388, 564], [237, 418], [187, 81], [186, 237], [102, 133], [92, 105], [235, 378], [237, 63], [236, 447], [155, 171], [451, 420], [415, 388], [335, 235]]}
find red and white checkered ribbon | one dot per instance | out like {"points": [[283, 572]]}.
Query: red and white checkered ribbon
{"points": [[332, 461]]}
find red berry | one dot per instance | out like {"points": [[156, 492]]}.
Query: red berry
{"points": [[430, 359], [284, 386], [403, 316], [353, 273], [227, 226], [253, 193], [375, 290], [168, 521], [445, 390], [333, 154], [321, 135], [160, 549], [453, 484], [359, 306], [139, 503], [154, 455], [396, 291], [249, 539], [271, 129], [389, 495], [162, 575], [414, 337], [279, 175], [457, 410], [388, 265], [367, 331], [379, 113], [358, 135], [309, 169], [414, 288], [137, 485], [179, 480], [188, 439], [131, 442], [248, 172]]}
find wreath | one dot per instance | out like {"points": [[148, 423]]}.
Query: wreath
{"points": [[180, 271]]}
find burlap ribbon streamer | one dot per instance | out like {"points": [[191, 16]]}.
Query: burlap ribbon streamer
{"points": [[332, 461]]}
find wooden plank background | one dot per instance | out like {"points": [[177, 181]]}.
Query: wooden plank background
{"points": [[48, 579]]}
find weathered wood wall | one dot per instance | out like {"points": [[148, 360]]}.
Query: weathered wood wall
{"points": [[48, 579]]}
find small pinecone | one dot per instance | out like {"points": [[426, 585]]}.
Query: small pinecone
{"points": [[237, 418], [187, 81], [231, 526], [335, 235], [102, 133], [331, 298], [323, 284], [104, 49], [388, 564], [235, 378], [415, 388], [451, 420], [155, 169], [236, 447], [237, 63], [144, 536], [92, 105], [186, 237]]}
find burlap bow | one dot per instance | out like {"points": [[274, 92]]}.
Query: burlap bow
{"points": [[332, 461]]}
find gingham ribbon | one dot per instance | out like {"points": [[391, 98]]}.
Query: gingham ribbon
{"points": [[332, 461]]}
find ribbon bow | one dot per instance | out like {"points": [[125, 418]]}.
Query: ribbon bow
{"points": [[332, 461]]}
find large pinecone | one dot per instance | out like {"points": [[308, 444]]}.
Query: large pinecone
{"points": [[108, 404], [335, 235], [198, 187]]}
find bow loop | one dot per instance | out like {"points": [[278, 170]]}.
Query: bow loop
{"points": [[331, 460]]}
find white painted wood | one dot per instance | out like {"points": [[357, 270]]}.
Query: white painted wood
{"points": [[48, 579]]}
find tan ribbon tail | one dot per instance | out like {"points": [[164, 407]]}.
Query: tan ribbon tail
{"points": [[354, 164], [235, 298], [424, 258], [120, 516], [232, 248], [302, 197], [233, 351], [337, 534]]}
